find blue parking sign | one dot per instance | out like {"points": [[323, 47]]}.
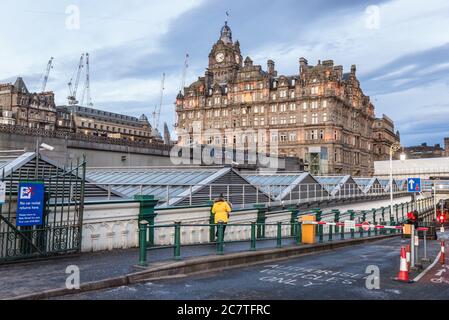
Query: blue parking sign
{"points": [[414, 184], [30, 204]]}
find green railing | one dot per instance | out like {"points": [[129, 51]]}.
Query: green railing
{"points": [[291, 230]]}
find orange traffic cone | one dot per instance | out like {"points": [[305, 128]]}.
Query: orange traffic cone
{"points": [[403, 272], [442, 252], [407, 254]]}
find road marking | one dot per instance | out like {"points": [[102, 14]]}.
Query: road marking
{"points": [[422, 274]]}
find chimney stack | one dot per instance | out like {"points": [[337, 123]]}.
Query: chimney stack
{"points": [[303, 64], [271, 68]]}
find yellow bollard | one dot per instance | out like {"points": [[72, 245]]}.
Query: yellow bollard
{"points": [[308, 230], [408, 229]]}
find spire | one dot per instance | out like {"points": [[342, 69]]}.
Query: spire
{"points": [[226, 33]]}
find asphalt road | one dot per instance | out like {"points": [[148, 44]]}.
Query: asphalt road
{"points": [[338, 274]]}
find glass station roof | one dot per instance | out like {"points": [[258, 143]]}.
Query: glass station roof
{"points": [[275, 184], [152, 181]]}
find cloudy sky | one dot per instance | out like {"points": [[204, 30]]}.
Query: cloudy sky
{"points": [[400, 47]]}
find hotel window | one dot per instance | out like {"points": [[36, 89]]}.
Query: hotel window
{"points": [[283, 137], [304, 105], [314, 118], [335, 134], [216, 113], [225, 140], [256, 109], [225, 113], [314, 90], [198, 115], [274, 137], [292, 107], [283, 108], [262, 109], [314, 104], [324, 117], [292, 94], [209, 103], [262, 121], [256, 122], [274, 108], [273, 97], [244, 122], [283, 94], [217, 100], [292, 136], [209, 140], [321, 134], [324, 103], [217, 140], [304, 118], [283, 120], [292, 119], [273, 120]]}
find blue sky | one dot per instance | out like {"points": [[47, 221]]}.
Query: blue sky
{"points": [[400, 47]]}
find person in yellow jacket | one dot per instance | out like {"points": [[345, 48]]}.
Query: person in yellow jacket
{"points": [[221, 210]]}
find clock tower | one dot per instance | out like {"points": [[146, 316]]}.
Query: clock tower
{"points": [[225, 57]]}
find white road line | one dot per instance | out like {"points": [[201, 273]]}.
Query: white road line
{"points": [[422, 274]]}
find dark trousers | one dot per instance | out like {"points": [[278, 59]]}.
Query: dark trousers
{"points": [[224, 229]]}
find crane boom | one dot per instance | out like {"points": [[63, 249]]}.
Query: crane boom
{"points": [[184, 72], [47, 73], [157, 109], [86, 91], [74, 89]]}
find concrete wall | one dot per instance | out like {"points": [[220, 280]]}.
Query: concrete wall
{"points": [[97, 154]]}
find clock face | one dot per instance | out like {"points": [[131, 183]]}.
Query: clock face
{"points": [[220, 57]]}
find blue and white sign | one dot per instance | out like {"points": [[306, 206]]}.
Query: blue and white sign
{"points": [[30, 204], [414, 184]]}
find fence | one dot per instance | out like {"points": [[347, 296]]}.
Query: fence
{"points": [[329, 228]]}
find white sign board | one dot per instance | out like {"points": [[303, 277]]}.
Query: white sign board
{"points": [[442, 229], [2, 192], [350, 224], [416, 241]]}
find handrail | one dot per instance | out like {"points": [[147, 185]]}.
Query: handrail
{"points": [[282, 230]]}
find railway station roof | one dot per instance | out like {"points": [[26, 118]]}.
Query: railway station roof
{"points": [[180, 186]]}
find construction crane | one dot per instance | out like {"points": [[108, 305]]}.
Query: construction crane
{"points": [[86, 91], [73, 89], [157, 108], [46, 74], [184, 73]]}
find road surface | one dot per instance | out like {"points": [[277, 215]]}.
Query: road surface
{"points": [[337, 274]]}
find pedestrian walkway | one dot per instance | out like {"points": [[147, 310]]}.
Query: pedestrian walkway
{"points": [[36, 276]]}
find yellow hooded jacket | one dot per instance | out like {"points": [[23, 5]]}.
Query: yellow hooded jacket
{"points": [[220, 210]]}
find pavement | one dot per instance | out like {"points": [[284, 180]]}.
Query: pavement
{"points": [[337, 274], [36, 276]]}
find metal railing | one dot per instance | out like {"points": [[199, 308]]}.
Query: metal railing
{"points": [[241, 195], [284, 232]]}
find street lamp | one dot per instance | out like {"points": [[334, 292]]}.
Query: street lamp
{"points": [[435, 197], [393, 148]]}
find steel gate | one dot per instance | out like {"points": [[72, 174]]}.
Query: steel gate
{"points": [[61, 230]]}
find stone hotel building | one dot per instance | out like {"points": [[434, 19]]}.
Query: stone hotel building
{"points": [[320, 115]]}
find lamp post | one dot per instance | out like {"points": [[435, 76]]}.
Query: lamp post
{"points": [[393, 148]]}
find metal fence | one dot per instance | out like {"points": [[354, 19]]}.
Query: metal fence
{"points": [[286, 232]]}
